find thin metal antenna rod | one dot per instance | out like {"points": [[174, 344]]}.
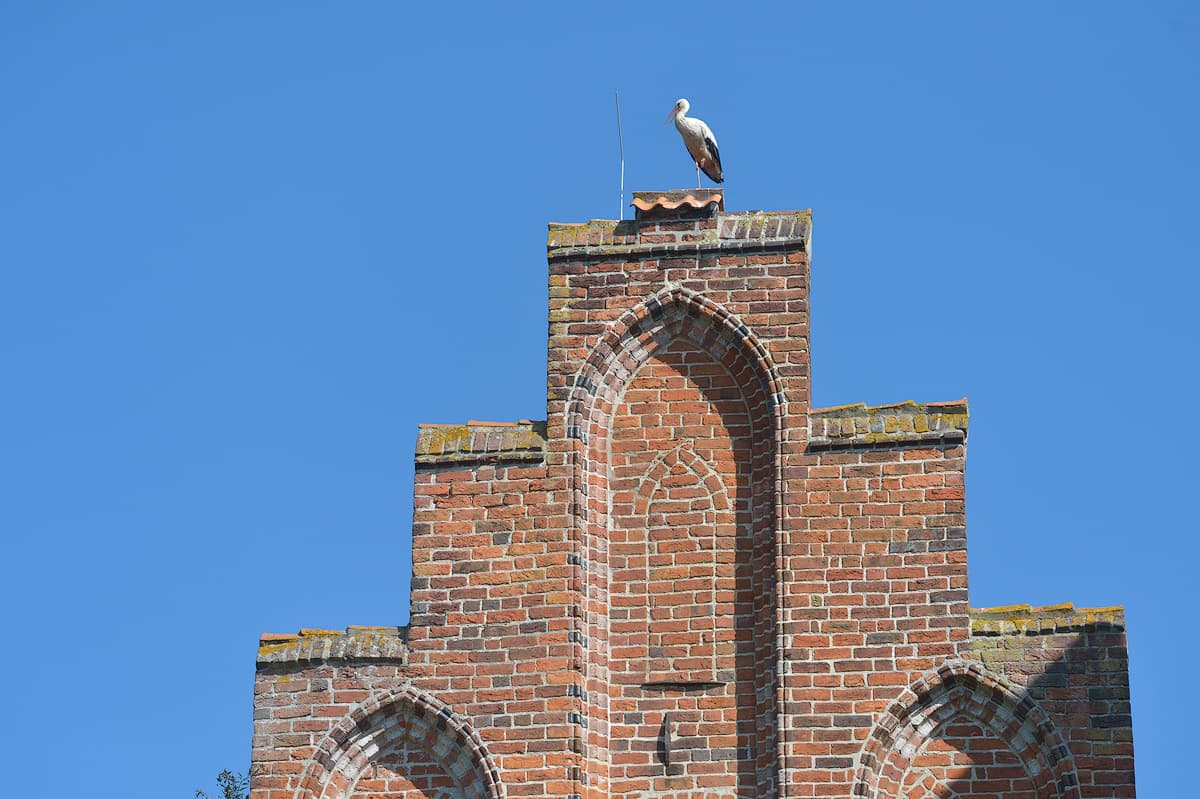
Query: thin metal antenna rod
{"points": [[621, 146]]}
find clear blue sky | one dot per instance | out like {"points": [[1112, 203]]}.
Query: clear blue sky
{"points": [[247, 247]]}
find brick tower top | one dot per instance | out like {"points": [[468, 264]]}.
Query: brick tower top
{"points": [[745, 273], [694, 219]]}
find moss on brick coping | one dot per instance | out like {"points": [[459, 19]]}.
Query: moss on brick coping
{"points": [[620, 237], [1027, 620], [480, 442], [355, 642], [839, 426], [901, 423]]}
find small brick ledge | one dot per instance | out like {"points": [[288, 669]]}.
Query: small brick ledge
{"points": [[480, 442], [1045, 620], [353, 643], [848, 426]]}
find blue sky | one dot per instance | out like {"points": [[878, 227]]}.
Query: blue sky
{"points": [[246, 248]]}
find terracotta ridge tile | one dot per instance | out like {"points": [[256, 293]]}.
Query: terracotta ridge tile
{"points": [[689, 199]]}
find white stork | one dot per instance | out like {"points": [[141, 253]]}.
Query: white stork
{"points": [[700, 142]]}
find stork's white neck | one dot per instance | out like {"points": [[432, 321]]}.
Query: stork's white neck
{"points": [[688, 126], [682, 121]]}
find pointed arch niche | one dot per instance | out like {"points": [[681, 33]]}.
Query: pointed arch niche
{"points": [[963, 731], [403, 744], [674, 567], [675, 418]]}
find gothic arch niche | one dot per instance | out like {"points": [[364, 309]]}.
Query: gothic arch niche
{"points": [[676, 416], [403, 745], [961, 732], [673, 588]]}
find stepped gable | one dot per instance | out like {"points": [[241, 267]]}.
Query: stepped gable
{"points": [[687, 582]]}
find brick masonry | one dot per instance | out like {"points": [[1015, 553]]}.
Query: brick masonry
{"points": [[686, 582]]}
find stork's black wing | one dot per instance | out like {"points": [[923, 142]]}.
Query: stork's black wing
{"points": [[715, 165]]}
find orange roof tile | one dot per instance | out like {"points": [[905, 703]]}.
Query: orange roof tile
{"points": [[671, 200]]}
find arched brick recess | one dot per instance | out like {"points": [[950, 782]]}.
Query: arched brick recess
{"points": [[924, 744], [715, 377], [404, 727], [672, 595]]}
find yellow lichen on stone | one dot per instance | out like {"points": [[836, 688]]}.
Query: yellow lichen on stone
{"points": [[442, 439], [271, 649], [1027, 620]]}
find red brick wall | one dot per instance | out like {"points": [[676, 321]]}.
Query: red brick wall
{"points": [[350, 722], [491, 612], [877, 586]]}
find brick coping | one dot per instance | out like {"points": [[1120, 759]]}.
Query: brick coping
{"points": [[1044, 620], [725, 231], [908, 422], [480, 442], [834, 427], [354, 643]]}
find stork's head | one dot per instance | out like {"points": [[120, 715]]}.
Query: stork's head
{"points": [[680, 109]]}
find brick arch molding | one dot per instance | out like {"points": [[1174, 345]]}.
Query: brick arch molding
{"points": [[964, 689], [624, 347], [385, 719], [630, 341]]}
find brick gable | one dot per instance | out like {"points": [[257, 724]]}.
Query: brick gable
{"points": [[688, 582]]}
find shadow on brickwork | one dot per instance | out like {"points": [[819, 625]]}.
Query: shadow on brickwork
{"points": [[1047, 717], [1084, 688]]}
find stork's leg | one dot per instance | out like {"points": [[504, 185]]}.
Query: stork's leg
{"points": [[697, 174]]}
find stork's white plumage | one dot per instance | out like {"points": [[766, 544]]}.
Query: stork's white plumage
{"points": [[700, 142]]}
